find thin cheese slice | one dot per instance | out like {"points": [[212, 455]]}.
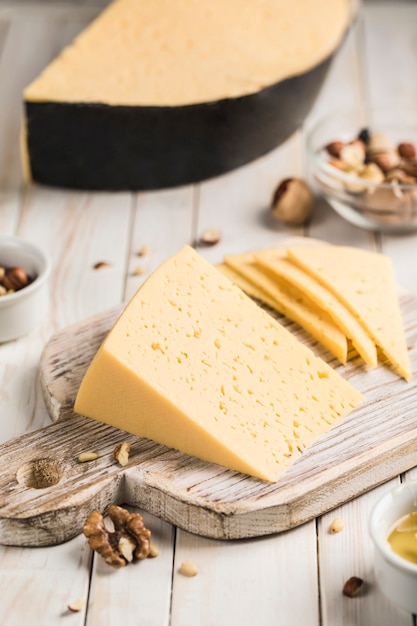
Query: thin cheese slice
{"points": [[290, 302], [196, 365], [248, 287], [364, 282], [277, 263]]}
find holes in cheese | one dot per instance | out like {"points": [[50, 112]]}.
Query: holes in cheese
{"points": [[252, 405]]}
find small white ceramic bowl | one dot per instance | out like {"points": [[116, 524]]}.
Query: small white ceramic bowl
{"points": [[396, 576], [22, 311]]}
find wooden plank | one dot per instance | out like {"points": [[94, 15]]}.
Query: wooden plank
{"points": [[389, 54], [247, 582], [139, 593], [343, 89], [391, 80], [39, 584], [162, 224], [238, 204], [85, 10], [74, 230], [350, 553]]}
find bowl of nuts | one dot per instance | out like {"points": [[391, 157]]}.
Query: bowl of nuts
{"points": [[24, 272], [364, 160]]}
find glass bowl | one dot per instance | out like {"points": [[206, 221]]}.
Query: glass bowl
{"points": [[388, 205]]}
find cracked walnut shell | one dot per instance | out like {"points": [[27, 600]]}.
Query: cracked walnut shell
{"points": [[129, 541]]}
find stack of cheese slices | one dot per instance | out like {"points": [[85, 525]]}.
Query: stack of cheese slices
{"points": [[343, 296], [194, 364]]}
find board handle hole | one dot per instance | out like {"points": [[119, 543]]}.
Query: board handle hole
{"points": [[40, 473]]}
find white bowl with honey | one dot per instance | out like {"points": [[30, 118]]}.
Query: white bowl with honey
{"points": [[393, 528]]}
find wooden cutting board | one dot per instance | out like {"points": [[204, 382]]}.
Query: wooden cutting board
{"points": [[46, 494]]}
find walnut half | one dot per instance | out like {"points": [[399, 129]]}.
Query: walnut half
{"points": [[129, 541]]}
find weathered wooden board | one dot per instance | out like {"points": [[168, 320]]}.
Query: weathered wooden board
{"points": [[373, 444]]}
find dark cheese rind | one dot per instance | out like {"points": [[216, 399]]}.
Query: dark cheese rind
{"points": [[100, 147]]}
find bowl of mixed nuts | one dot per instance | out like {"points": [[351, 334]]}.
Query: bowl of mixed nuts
{"points": [[364, 160], [24, 272]]}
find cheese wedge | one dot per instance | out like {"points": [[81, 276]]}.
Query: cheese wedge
{"points": [[277, 264], [161, 93], [290, 302], [364, 282], [196, 365]]}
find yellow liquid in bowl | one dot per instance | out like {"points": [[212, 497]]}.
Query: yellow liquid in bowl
{"points": [[403, 539]]}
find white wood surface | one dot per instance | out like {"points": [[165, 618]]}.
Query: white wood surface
{"points": [[294, 578]]}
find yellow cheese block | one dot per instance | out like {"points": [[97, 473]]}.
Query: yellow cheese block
{"points": [[196, 365], [289, 301], [162, 93], [277, 264], [170, 53], [364, 282]]}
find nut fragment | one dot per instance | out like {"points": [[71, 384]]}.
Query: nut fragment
{"points": [[379, 142], [353, 586], [353, 154], [187, 568], [334, 148], [385, 160], [121, 453], [364, 135], [153, 551], [115, 547], [372, 172], [138, 271], [126, 548], [400, 176], [77, 605], [339, 164], [210, 237], [292, 202], [89, 455], [337, 525], [409, 166], [144, 251], [101, 265], [407, 150], [15, 278]]}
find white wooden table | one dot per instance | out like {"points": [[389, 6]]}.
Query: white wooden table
{"points": [[294, 578]]}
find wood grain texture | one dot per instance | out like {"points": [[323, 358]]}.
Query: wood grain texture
{"points": [[373, 444], [276, 579]]}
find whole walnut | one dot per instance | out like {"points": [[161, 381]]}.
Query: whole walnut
{"points": [[129, 541]]}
